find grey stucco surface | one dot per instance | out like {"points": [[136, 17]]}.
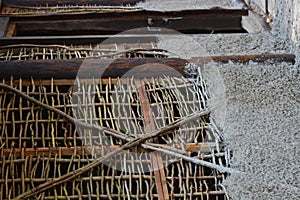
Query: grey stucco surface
{"points": [[186, 4], [261, 127]]}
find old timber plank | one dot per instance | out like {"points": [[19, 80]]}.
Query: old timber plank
{"points": [[156, 159], [89, 68], [196, 21]]}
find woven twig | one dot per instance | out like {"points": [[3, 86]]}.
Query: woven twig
{"points": [[132, 142], [164, 130], [52, 52]]}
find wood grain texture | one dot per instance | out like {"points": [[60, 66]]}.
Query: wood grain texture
{"points": [[68, 69], [156, 158], [196, 21], [67, 2]]}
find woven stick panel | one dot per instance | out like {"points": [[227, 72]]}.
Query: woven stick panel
{"points": [[38, 145], [61, 52]]}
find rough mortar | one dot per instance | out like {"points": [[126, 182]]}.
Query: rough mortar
{"points": [[261, 127]]}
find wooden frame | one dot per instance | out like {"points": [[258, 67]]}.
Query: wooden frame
{"points": [[196, 21]]}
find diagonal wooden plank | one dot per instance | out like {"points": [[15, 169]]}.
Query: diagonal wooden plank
{"points": [[156, 159]]}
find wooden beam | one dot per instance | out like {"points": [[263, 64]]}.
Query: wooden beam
{"points": [[100, 26], [156, 158], [89, 68], [68, 69], [67, 2], [196, 21], [134, 14]]}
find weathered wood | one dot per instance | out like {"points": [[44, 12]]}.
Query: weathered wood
{"points": [[100, 26], [68, 69], [97, 24], [3, 24], [67, 2], [134, 13], [196, 21], [156, 158], [11, 30]]}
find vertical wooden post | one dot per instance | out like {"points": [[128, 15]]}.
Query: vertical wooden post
{"points": [[156, 159]]}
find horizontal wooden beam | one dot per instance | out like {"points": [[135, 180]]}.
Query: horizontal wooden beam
{"points": [[196, 21], [67, 2], [134, 14], [89, 68], [96, 68]]}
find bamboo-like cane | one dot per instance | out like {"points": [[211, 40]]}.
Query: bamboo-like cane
{"points": [[131, 143]]}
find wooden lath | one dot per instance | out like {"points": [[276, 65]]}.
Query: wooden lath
{"points": [[64, 52], [25, 10], [67, 2]]}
